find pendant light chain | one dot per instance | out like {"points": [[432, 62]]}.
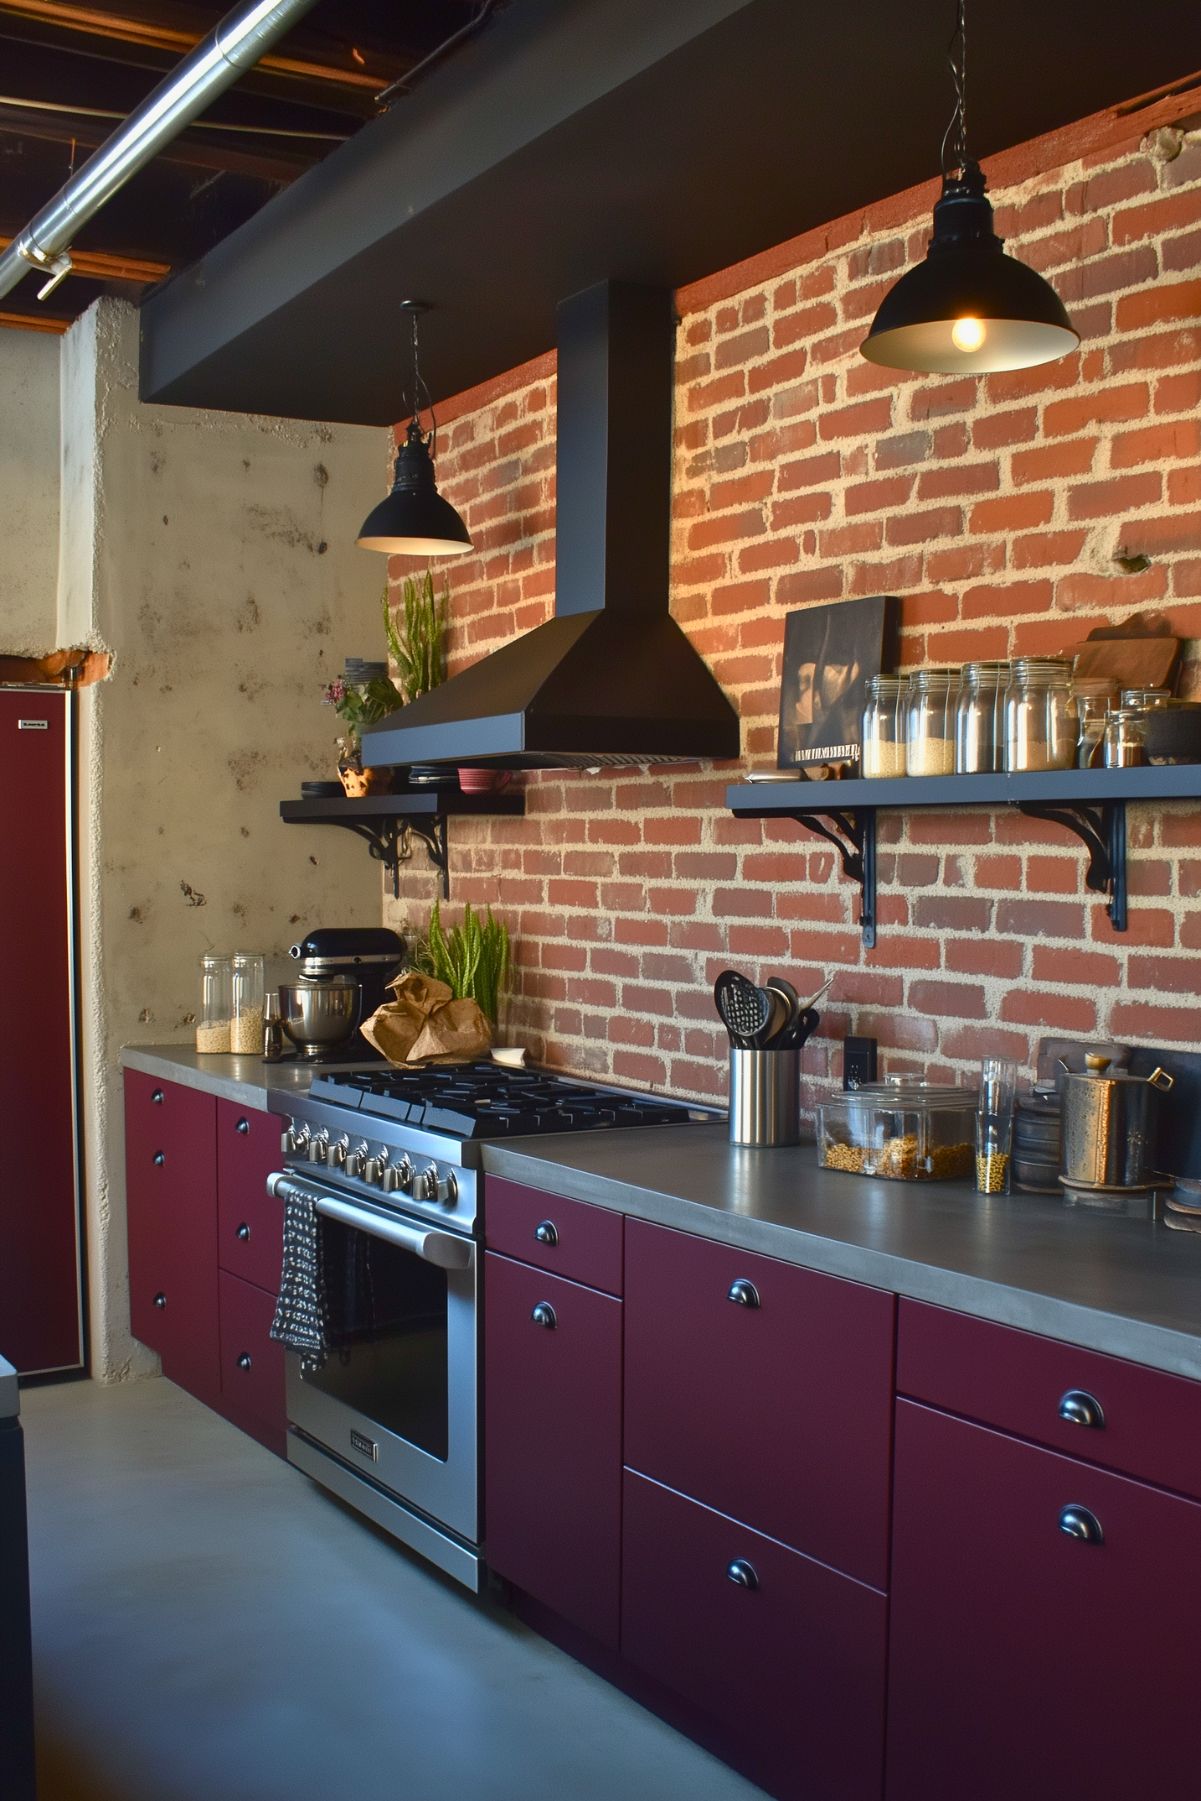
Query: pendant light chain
{"points": [[420, 387], [957, 125]]}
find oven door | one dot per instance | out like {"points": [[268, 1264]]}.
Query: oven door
{"points": [[396, 1399]]}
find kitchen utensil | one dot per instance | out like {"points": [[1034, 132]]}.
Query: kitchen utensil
{"points": [[1109, 1126], [802, 1029], [792, 1003], [765, 1097], [319, 1017], [746, 1011]]}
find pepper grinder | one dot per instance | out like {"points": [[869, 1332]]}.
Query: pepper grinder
{"points": [[273, 1031]]}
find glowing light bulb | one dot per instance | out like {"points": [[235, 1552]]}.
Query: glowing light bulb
{"points": [[967, 334]]}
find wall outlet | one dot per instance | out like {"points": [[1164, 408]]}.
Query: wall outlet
{"points": [[858, 1062]]}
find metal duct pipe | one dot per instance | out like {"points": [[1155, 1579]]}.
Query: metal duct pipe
{"points": [[234, 46]]}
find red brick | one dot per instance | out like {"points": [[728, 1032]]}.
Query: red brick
{"points": [[1153, 218], [1160, 304], [1061, 1012], [958, 478], [903, 449], [1156, 1025], [1006, 601], [1178, 393], [1049, 462], [984, 957], [1044, 550], [970, 1043], [958, 1000], [1040, 919], [726, 528], [952, 912], [920, 527], [1107, 499], [865, 417], [1011, 512], [1165, 975], [879, 496], [1154, 537]]}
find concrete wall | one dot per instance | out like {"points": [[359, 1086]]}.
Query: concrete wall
{"points": [[213, 554], [29, 479]]}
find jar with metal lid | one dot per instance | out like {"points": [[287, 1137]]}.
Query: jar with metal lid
{"points": [[1040, 715], [246, 1024], [980, 719], [930, 722], [1143, 698], [1126, 739], [216, 1003], [884, 726]]}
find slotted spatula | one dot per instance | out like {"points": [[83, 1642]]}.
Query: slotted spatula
{"points": [[745, 1011]]}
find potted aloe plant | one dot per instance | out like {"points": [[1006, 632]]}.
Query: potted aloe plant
{"points": [[473, 958]]}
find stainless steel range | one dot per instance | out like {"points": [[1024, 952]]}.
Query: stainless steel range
{"points": [[391, 1159]]}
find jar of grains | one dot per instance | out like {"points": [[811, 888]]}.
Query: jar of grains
{"points": [[980, 719], [246, 1030], [884, 726], [1040, 715], [216, 1003], [930, 722]]}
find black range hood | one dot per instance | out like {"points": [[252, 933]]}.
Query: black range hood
{"points": [[611, 678]]}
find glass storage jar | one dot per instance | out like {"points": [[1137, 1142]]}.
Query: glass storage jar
{"points": [[216, 1003], [930, 722], [884, 726], [980, 719], [907, 1130], [246, 1025], [1040, 715], [1126, 739]]}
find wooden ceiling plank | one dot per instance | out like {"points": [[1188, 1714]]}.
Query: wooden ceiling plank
{"points": [[93, 22], [35, 322]]}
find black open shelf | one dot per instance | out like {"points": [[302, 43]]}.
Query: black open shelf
{"points": [[390, 822], [1089, 802]]}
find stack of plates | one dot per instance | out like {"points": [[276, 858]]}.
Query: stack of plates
{"points": [[1182, 1205], [1037, 1144], [320, 790]]}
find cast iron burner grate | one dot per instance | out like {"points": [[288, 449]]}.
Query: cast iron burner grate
{"points": [[480, 1100]]}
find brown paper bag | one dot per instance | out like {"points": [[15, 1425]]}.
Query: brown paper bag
{"points": [[423, 1024]]}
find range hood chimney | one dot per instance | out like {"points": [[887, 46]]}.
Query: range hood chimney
{"points": [[611, 678]]}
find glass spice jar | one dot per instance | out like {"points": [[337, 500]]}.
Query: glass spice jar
{"points": [[1040, 715], [980, 719], [1125, 739], [216, 1004], [884, 726], [246, 1024], [930, 722]]}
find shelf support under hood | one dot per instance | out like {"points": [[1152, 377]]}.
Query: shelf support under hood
{"points": [[610, 678]]}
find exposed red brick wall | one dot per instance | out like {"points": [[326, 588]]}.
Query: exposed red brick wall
{"points": [[997, 507]]}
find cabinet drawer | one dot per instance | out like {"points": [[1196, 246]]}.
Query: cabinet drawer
{"points": [[1147, 1423], [792, 1666], [252, 1363], [568, 1238], [552, 1442], [777, 1412], [1026, 1662], [164, 1120], [249, 1220]]}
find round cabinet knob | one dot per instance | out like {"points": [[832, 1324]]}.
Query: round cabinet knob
{"points": [[1082, 1524], [160, 1157], [1082, 1409], [160, 1300], [743, 1294], [546, 1232], [742, 1573], [245, 1361], [544, 1315], [243, 1232], [243, 1126], [157, 1097]]}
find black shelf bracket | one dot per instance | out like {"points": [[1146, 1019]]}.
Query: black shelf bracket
{"points": [[390, 841], [852, 832], [1102, 831]]}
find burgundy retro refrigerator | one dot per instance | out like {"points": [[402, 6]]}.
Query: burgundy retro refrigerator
{"points": [[41, 1307]]}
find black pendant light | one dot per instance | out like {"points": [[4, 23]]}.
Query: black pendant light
{"points": [[969, 308], [414, 520]]}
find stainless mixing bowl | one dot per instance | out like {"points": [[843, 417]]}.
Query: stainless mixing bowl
{"points": [[318, 1017]]}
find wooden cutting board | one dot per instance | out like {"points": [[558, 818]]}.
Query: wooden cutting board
{"points": [[1131, 662]]}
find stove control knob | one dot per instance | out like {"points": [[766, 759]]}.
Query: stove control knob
{"points": [[374, 1168], [337, 1152], [318, 1149], [390, 1178], [448, 1189], [426, 1186], [296, 1138], [404, 1175], [356, 1159]]}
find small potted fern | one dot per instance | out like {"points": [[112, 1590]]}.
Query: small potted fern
{"points": [[473, 958]]}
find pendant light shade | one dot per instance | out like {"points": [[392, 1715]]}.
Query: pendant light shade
{"points": [[414, 520], [969, 308]]}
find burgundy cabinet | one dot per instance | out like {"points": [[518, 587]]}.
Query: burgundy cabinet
{"points": [[249, 1220], [1043, 1624], [552, 1442], [764, 1391], [171, 1200], [785, 1655], [252, 1363], [566, 1238]]}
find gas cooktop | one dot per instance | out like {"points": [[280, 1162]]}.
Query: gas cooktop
{"points": [[482, 1100]]}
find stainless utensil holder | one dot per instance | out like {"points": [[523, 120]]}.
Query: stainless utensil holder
{"points": [[765, 1097]]}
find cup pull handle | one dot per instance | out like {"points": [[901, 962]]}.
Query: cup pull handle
{"points": [[1079, 1408], [1081, 1524], [743, 1293], [544, 1315], [742, 1573]]}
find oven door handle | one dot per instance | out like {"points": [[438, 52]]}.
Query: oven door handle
{"points": [[446, 1249], [442, 1248]]}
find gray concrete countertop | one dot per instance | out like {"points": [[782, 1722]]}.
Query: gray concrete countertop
{"points": [[1128, 1287], [246, 1080]]}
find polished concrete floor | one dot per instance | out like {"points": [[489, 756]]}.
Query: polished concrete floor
{"points": [[209, 1626]]}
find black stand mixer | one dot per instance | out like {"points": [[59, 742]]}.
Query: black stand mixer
{"points": [[343, 974]]}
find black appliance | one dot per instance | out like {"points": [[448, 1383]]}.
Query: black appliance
{"points": [[372, 956]]}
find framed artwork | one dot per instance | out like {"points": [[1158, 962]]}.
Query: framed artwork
{"points": [[830, 652]]}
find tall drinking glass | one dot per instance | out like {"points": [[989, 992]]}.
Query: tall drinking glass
{"points": [[994, 1124]]}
